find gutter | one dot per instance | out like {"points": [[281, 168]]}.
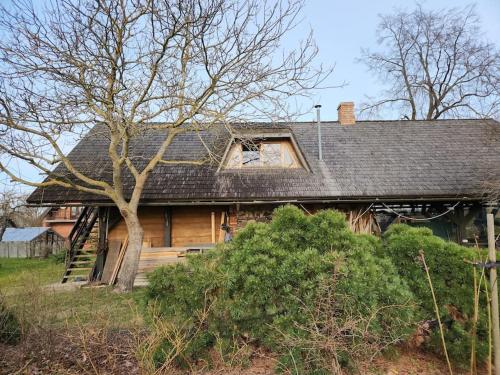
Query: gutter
{"points": [[279, 201]]}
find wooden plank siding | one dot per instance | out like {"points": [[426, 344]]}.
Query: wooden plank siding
{"points": [[153, 223], [192, 225]]}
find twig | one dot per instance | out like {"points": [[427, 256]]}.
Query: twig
{"points": [[437, 311]]}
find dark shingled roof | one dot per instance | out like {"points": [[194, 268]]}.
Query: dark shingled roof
{"points": [[371, 159]]}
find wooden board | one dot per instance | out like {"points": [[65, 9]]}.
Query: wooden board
{"points": [[193, 225], [118, 264], [111, 258], [153, 223], [154, 257]]}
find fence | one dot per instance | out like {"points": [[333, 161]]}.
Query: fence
{"points": [[30, 249]]}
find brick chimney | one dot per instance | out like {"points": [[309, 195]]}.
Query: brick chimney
{"points": [[345, 112]]}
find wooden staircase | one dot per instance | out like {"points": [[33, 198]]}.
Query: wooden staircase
{"points": [[81, 259]]}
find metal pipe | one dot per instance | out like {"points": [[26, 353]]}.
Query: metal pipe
{"points": [[318, 119], [490, 220]]}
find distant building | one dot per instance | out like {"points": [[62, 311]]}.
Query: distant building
{"points": [[61, 219], [31, 242]]}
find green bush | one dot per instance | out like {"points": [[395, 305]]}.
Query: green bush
{"points": [[452, 279], [259, 286], [10, 329], [183, 289], [270, 275], [59, 257], [184, 295]]}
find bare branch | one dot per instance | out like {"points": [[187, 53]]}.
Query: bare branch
{"points": [[436, 65]]}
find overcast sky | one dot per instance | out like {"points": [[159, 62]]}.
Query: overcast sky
{"points": [[342, 28]]}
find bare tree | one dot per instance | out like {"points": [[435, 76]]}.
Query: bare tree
{"points": [[13, 210], [436, 65], [129, 67], [8, 204]]}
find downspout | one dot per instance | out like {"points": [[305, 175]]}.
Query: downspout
{"points": [[318, 120]]}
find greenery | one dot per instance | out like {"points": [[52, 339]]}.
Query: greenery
{"points": [[260, 286], [59, 257], [15, 271], [10, 329], [276, 286], [25, 285], [452, 279]]}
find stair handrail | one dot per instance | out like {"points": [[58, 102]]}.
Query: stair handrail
{"points": [[82, 222], [82, 228], [78, 221]]}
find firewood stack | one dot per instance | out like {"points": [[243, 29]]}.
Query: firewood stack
{"points": [[363, 221]]}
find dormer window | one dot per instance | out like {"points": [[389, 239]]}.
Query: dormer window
{"points": [[274, 153]]}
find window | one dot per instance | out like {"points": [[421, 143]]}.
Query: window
{"points": [[251, 154], [75, 212], [262, 154]]}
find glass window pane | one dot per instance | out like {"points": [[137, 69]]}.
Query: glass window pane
{"points": [[251, 155], [271, 154], [288, 160]]}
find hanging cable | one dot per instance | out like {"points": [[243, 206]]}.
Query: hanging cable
{"points": [[423, 219]]}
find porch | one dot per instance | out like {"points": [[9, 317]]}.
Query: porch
{"points": [[154, 257], [172, 232], [100, 238]]}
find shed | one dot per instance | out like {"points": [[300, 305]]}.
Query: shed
{"points": [[30, 242]]}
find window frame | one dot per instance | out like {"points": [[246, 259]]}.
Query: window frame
{"points": [[285, 145]]}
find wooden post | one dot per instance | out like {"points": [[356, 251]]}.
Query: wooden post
{"points": [[167, 240], [213, 227], [222, 232], [494, 290]]}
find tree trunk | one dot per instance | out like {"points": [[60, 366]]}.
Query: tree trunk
{"points": [[3, 226], [130, 263]]}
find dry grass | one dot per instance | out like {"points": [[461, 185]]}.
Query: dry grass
{"points": [[85, 330], [23, 283]]}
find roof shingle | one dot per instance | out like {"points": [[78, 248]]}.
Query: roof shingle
{"points": [[371, 159]]}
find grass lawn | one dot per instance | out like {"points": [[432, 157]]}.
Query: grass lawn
{"points": [[15, 271], [24, 286]]}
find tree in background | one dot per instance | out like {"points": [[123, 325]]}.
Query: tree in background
{"points": [[14, 211], [436, 65], [130, 67]]}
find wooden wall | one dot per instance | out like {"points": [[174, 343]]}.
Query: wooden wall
{"points": [[153, 223], [192, 225]]}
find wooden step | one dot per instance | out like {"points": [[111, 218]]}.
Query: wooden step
{"points": [[82, 262], [82, 277], [80, 269]]}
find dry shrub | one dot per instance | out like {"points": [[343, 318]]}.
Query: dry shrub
{"points": [[10, 329], [337, 334], [69, 332], [75, 349]]}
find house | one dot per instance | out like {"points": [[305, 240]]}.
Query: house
{"points": [[61, 219], [30, 242], [374, 171]]}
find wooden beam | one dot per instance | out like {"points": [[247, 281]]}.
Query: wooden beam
{"points": [[494, 290], [222, 232], [167, 237], [213, 227]]}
